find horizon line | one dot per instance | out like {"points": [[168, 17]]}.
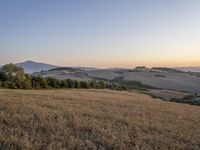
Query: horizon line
{"points": [[101, 67]]}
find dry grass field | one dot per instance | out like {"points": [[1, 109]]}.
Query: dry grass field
{"points": [[95, 119]]}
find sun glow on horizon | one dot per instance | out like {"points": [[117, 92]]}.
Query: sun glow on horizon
{"points": [[101, 33]]}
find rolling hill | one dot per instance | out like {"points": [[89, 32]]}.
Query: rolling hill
{"points": [[31, 66], [189, 69], [140, 78]]}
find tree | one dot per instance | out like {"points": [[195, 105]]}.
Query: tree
{"points": [[52, 82], [64, 84], [93, 84], [101, 84], [71, 83], [35, 84], [1, 84], [39, 82], [77, 84], [11, 73], [27, 84], [114, 87], [9, 85], [2, 76], [85, 84], [12, 76]]}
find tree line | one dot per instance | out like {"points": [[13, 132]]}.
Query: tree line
{"points": [[13, 77]]}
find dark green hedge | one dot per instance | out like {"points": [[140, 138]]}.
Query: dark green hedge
{"points": [[13, 77]]}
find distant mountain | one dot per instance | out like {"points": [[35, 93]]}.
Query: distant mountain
{"points": [[189, 69], [31, 66]]}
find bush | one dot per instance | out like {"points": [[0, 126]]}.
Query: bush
{"points": [[35, 85], [1, 84], [39, 82], [93, 84], [189, 97], [54, 83], [63, 84], [9, 85], [160, 75], [27, 84], [101, 84], [85, 84], [71, 83], [77, 84], [2, 77]]}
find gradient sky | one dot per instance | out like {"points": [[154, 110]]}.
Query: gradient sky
{"points": [[101, 33]]}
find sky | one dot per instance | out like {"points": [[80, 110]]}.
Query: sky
{"points": [[101, 33]]}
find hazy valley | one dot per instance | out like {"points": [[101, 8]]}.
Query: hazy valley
{"points": [[157, 77]]}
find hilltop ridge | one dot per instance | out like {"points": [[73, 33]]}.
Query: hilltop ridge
{"points": [[32, 66]]}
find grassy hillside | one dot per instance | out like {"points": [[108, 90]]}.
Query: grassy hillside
{"points": [[95, 119], [161, 78]]}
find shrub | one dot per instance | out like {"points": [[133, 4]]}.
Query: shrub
{"points": [[35, 84], [64, 84], [189, 97], [10, 85], [71, 83], [53, 82], [85, 84], [92, 84], [77, 84], [1, 83], [160, 75], [27, 84], [39, 82], [2, 77], [101, 84]]}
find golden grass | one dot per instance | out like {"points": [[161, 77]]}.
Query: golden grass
{"points": [[95, 119]]}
